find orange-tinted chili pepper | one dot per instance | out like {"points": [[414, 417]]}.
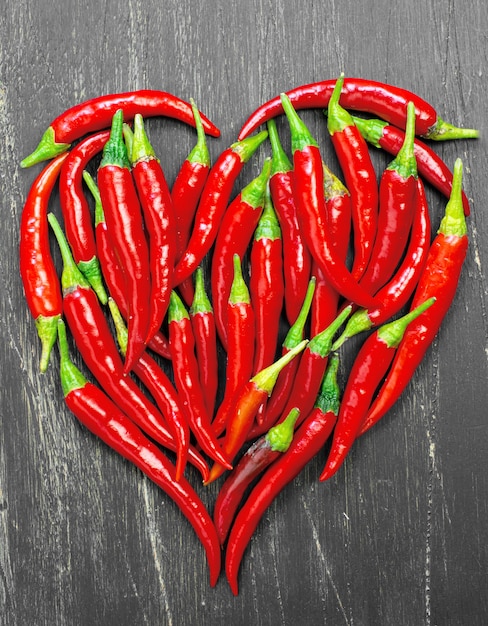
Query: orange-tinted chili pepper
{"points": [[37, 270]]}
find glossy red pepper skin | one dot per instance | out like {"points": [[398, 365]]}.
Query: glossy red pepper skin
{"points": [[37, 270], [380, 99], [97, 113], [102, 417]]}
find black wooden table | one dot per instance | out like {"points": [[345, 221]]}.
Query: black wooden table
{"points": [[399, 535]]}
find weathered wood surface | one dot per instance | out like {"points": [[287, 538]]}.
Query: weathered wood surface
{"points": [[400, 535]]}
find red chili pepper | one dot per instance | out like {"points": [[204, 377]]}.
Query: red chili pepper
{"points": [[235, 233], [160, 222], [309, 440], [213, 203], [266, 285], [185, 369], [297, 262], [205, 333], [378, 98], [359, 177], [97, 114], [160, 387], [369, 368], [263, 452], [102, 417], [309, 195], [251, 397], [439, 279], [94, 340], [397, 202], [38, 273], [76, 212], [126, 228], [241, 345], [429, 164]]}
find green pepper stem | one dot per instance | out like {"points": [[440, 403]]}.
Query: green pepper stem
{"points": [[372, 129], [248, 146], [328, 398], [268, 226], [266, 378], [201, 302], [443, 131], [337, 117], [141, 149], [115, 150], [253, 192], [280, 162], [280, 436], [71, 276], [199, 153], [357, 323], [296, 331], [120, 327], [176, 309], [238, 291], [47, 148], [301, 137], [321, 344], [71, 377], [392, 332], [405, 162], [454, 220], [47, 330], [128, 135]]}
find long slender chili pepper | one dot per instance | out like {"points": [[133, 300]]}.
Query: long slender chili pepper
{"points": [[380, 99], [429, 164], [396, 293], [309, 195], [297, 262], [235, 233], [160, 222], [111, 270], [439, 279], [266, 285], [162, 390], [359, 177], [76, 211], [251, 397], [241, 345], [97, 113], [185, 369], [93, 337], [205, 333], [38, 273], [123, 215], [102, 417], [308, 441], [369, 368], [263, 452], [213, 202]]}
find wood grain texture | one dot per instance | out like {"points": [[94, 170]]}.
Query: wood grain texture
{"points": [[400, 535]]}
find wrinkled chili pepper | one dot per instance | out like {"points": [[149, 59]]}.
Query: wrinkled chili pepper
{"points": [[380, 99], [159, 220], [309, 196], [308, 440], [213, 203], [102, 417], [439, 279], [235, 233], [76, 211], [252, 396], [185, 370], [263, 452], [97, 113], [37, 270], [369, 368], [123, 216]]}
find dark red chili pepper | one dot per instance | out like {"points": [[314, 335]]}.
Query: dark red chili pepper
{"points": [[309, 196], [213, 203], [39, 278], [263, 452], [297, 261], [162, 390], [186, 375], [251, 397], [429, 164], [159, 220], [397, 202], [266, 285], [241, 345], [94, 340], [235, 233], [439, 279], [97, 114], [380, 99], [205, 333], [102, 417], [359, 176], [309, 440], [369, 368], [125, 225], [76, 211]]}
